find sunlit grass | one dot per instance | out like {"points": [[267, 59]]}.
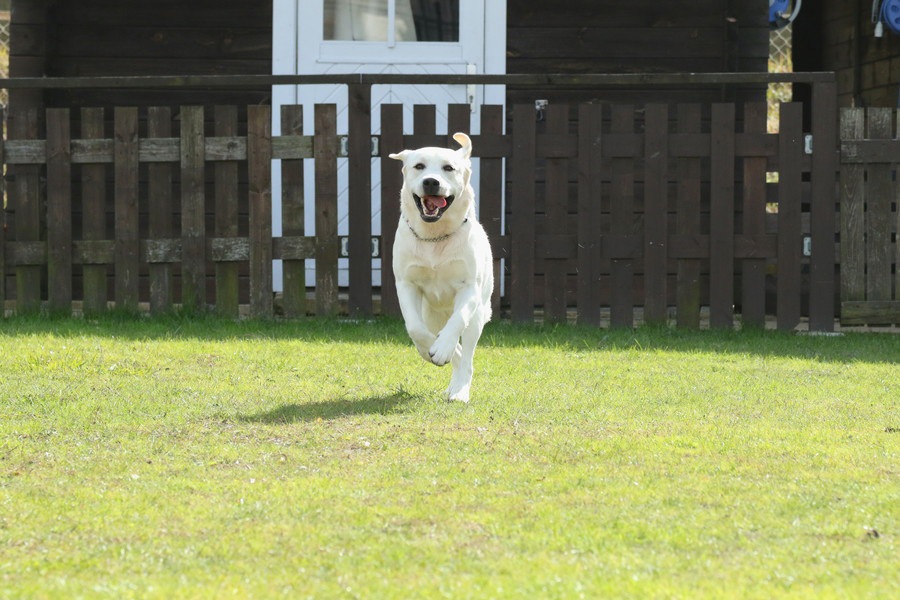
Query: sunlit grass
{"points": [[183, 459]]}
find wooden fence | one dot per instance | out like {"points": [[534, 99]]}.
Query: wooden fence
{"points": [[608, 209], [870, 217]]}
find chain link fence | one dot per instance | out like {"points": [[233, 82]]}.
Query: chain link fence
{"points": [[779, 62]]}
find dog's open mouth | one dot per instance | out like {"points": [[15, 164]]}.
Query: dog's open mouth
{"points": [[432, 207]]}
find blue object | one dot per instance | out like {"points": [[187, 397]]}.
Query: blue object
{"points": [[890, 14], [776, 9]]}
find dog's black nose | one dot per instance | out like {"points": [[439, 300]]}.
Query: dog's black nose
{"points": [[431, 186]]}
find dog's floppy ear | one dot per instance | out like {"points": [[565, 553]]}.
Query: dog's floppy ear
{"points": [[399, 155], [465, 142]]}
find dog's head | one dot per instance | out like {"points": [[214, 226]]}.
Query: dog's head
{"points": [[438, 178]]}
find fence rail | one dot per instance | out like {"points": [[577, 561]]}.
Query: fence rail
{"points": [[607, 207]]}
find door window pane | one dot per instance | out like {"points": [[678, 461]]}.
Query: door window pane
{"points": [[413, 20]]}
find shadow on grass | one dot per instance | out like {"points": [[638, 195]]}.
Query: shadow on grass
{"points": [[332, 409]]}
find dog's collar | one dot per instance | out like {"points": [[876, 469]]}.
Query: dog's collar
{"points": [[439, 238]]}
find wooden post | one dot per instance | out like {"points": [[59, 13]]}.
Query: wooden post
{"points": [[127, 245], [359, 245], [391, 180], [824, 130], [687, 222], [193, 210], [622, 221], [226, 220], [292, 216], [490, 198], [259, 166], [753, 284], [589, 229], [93, 211], [853, 217], [325, 150], [722, 207], [656, 207], [59, 211], [790, 153], [25, 202], [521, 220]]}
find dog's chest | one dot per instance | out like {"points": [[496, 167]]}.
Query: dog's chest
{"points": [[439, 282]]}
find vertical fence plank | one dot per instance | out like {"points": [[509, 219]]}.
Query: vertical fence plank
{"points": [[556, 203], [722, 207], [879, 194], [656, 158], [590, 117], [521, 219], [490, 200], [127, 252], [225, 178], [359, 218], [687, 223], [2, 214], [753, 282], [93, 210], [59, 210], [391, 180], [159, 192], [622, 221], [193, 205], [853, 218], [292, 215], [822, 226], [259, 172], [325, 150], [897, 230], [25, 203], [790, 149]]}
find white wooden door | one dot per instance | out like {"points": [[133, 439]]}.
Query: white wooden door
{"points": [[382, 36]]}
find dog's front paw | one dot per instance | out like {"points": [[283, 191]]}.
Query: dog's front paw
{"points": [[443, 349]]}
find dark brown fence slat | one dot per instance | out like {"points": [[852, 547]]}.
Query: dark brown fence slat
{"points": [[2, 219], [292, 216], [521, 215], [853, 219], [753, 275], [225, 178], [259, 173], [687, 222], [822, 226], [59, 210], [722, 205], [325, 148], [879, 195], [93, 210], [655, 212], [127, 232], [556, 203], [359, 211], [159, 191], [490, 201], [590, 118], [622, 221], [790, 154], [25, 203], [391, 180], [193, 203]]}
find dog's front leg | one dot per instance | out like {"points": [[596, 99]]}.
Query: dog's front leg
{"points": [[410, 298], [447, 342]]}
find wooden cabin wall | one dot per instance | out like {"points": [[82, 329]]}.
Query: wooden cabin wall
{"points": [[628, 36], [143, 37], [867, 67]]}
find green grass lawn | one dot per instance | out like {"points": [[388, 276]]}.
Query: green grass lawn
{"points": [[206, 459]]}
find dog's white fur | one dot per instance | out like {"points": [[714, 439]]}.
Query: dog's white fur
{"points": [[442, 260]]}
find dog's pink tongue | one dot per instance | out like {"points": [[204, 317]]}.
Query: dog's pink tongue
{"points": [[435, 202]]}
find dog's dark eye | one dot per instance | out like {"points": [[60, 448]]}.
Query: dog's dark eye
{"points": [[419, 166], [448, 168]]}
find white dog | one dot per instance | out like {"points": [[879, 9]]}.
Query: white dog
{"points": [[442, 260]]}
